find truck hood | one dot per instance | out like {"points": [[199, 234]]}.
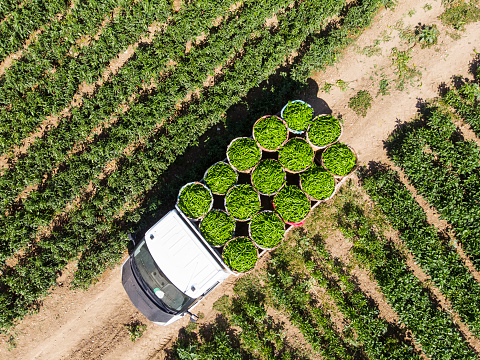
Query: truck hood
{"points": [[182, 256]]}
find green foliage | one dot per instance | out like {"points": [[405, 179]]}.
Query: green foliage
{"points": [[268, 177], [260, 334], [289, 291], [324, 130], [297, 115], [383, 87], [267, 229], [217, 227], [401, 288], [135, 329], [217, 343], [439, 260], [240, 254], [243, 154], [48, 75], [426, 35], [405, 74], [445, 170], [378, 338], [339, 159], [270, 132], [242, 202], [460, 13], [465, 102], [21, 22], [361, 102], [220, 177], [291, 204], [195, 200], [296, 155], [317, 183]]}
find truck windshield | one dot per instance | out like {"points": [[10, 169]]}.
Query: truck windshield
{"points": [[157, 281]]}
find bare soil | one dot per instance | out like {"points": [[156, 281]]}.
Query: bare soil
{"points": [[90, 324]]}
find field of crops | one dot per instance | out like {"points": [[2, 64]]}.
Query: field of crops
{"points": [[101, 101], [74, 188]]}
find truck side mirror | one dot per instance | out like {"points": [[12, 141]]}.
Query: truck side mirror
{"points": [[132, 239], [193, 317]]}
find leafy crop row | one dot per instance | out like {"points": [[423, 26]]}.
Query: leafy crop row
{"points": [[440, 261], [57, 90], [6, 7], [290, 292], [261, 335], [433, 328], [23, 21], [378, 338], [217, 343], [465, 102], [325, 50], [445, 169]]}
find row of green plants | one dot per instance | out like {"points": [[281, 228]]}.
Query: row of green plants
{"points": [[87, 229], [256, 336], [261, 335], [56, 90], [77, 26], [81, 168], [7, 7], [465, 102], [379, 339], [290, 291], [431, 327], [439, 260], [214, 342], [444, 168], [20, 22], [363, 326], [325, 49], [50, 151]]}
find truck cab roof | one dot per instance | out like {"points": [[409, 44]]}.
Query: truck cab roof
{"points": [[183, 255]]}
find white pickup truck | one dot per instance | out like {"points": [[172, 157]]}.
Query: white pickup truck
{"points": [[171, 269]]}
